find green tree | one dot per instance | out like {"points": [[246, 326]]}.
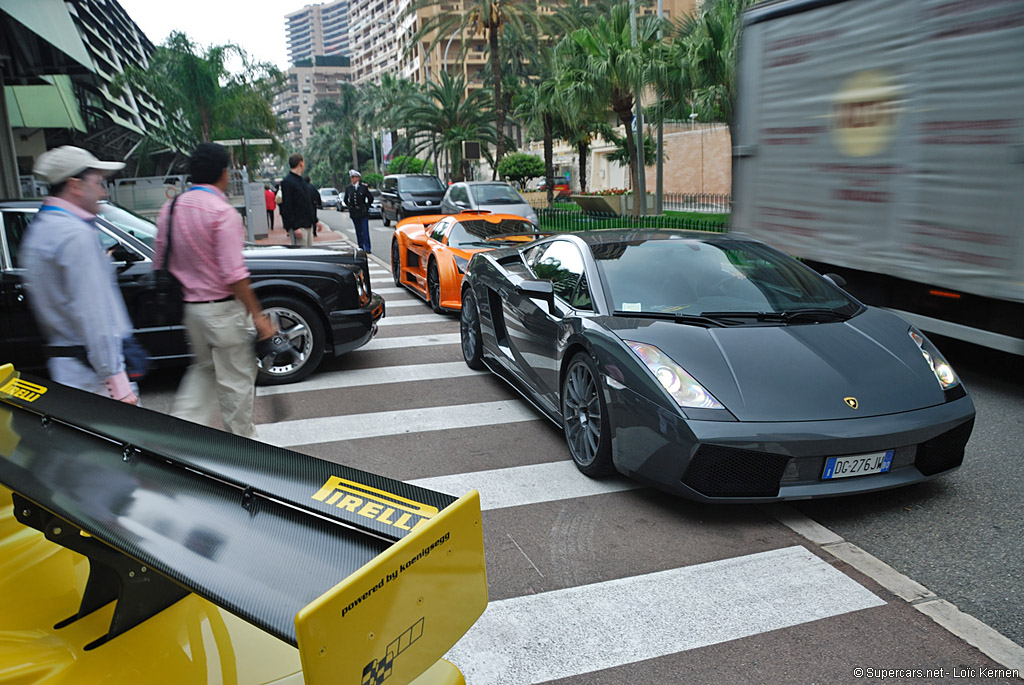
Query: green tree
{"points": [[605, 67], [696, 70], [441, 118], [202, 100], [491, 17], [402, 164], [520, 167]]}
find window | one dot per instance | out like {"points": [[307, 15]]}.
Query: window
{"points": [[438, 230], [561, 263], [459, 194], [15, 224]]}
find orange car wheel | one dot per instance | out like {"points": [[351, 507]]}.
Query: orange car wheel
{"points": [[396, 263], [434, 287]]}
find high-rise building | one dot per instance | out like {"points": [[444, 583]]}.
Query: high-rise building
{"points": [[318, 30], [306, 83]]}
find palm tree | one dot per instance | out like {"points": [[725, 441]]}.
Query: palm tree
{"points": [[492, 17], [342, 114], [603, 68], [442, 117], [697, 69], [201, 98]]}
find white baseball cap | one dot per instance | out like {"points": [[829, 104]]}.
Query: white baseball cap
{"points": [[60, 164]]}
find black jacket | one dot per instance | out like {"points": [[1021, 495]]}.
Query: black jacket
{"points": [[358, 200], [297, 209]]}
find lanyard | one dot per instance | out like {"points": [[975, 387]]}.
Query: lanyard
{"points": [[51, 208], [207, 190]]}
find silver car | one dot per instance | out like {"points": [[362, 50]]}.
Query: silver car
{"points": [[492, 196]]}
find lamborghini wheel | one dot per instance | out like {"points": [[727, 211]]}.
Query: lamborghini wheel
{"points": [[434, 287], [396, 263], [469, 330], [585, 418]]}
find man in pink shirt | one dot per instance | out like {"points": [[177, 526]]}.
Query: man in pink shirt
{"points": [[223, 318]]}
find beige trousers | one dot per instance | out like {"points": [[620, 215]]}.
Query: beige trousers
{"points": [[223, 369]]}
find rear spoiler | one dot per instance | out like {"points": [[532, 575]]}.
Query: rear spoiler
{"points": [[356, 570]]}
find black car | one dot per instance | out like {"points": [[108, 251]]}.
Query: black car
{"points": [[319, 298], [403, 195], [713, 366]]}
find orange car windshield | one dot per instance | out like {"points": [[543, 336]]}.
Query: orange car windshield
{"points": [[480, 233]]}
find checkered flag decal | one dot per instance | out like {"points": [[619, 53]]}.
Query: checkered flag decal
{"points": [[379, 670]]}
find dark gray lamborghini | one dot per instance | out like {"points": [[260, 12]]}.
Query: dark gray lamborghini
{"points": [[713, 366]]}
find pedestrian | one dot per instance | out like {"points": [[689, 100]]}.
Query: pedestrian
{"points": [[358, 200], [222, 315], [297, 212], [71, 281], [314, 197], [271, 201]]}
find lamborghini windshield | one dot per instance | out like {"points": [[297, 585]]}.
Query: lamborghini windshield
{"points": [[481, 233], [736, 281]]}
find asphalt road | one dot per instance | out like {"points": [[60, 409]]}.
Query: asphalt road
{"points": [[607, 582]]}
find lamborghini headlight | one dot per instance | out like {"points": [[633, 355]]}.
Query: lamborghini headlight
{"points": [[683, 388], [940, 367]]}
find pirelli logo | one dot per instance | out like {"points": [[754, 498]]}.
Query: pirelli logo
{"points": [[379, 505], [23, 390]]}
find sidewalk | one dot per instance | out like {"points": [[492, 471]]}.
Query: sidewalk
{"points": [[279, 236]]}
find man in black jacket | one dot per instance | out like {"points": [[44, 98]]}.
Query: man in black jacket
{"points": [[358, 200], [297, 211]]}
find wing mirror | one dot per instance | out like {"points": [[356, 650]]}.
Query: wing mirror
{"points": [[836, 279], [540, 290]]}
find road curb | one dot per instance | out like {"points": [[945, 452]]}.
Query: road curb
{"points": [[988, 640]]}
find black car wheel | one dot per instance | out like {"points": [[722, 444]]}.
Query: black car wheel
{"points": [[396, 263], [585, 418], [434, 287], [469, 329], [384, 217], [301, 326]]}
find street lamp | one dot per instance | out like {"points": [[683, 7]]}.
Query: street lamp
{"points": [[444, 60]]}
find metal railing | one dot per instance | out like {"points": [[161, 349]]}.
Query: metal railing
{"points": [[706, 203], [569, 220]]}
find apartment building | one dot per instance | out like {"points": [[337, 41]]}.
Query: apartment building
{"points": [[318, 30], [306, 83]]}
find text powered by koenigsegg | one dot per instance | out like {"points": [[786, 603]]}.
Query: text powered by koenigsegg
{"points": [[385, 507]]}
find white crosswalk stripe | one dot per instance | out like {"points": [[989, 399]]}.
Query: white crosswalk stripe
{"points": [[521, 485], [354, 426], [410, 319], [395, 304], [375, 376], [412, 341], [536, 638], [392, 290]]}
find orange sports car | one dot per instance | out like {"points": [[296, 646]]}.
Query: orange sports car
{"points": [[429, 254]]}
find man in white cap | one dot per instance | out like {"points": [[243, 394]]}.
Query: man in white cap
{"points": [[71, 282], [358, 200]]}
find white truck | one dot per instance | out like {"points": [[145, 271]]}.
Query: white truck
{"points": [[883, 140]]}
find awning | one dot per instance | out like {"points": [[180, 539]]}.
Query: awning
{"points": [[49, 106], [49, 20]]}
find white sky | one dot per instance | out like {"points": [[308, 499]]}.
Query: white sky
{"points": [[258, 27]]}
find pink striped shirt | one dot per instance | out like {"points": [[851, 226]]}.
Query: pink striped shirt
{"points": [[206, 250]]}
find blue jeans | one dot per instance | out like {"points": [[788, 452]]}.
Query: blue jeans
{"points": [[362, 226]]}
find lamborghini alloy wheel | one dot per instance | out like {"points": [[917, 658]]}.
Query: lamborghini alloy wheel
{"points": [[585, 418], [469, 330]]}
